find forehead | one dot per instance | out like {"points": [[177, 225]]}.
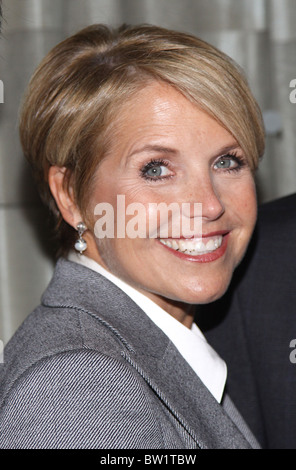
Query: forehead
{"points": [[160, 112], [158, 102]]}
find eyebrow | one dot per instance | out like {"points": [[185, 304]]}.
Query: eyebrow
{"points": [[227, 148], [150, 148], [153, 149]]}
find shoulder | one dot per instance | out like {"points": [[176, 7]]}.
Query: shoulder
{"points": [[275, 213], [80, 398], [72, 316], [51, 332], [273, 244], [283, 203]]}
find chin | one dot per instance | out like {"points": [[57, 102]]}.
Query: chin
{"points": [[204, 295]]}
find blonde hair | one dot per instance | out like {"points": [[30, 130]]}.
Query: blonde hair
{"points": [[80, 85]]}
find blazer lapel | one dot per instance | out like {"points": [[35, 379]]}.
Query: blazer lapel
{"points": [[189, 401]]}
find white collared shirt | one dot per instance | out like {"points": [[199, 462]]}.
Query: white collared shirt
{"points": [[191, 343]]}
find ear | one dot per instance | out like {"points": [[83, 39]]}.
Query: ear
{"points": [[63, 195]]}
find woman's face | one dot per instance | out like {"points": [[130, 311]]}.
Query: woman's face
{"points": [[166, 150]]}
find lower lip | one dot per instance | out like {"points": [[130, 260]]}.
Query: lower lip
{"points": [[205, 258]]}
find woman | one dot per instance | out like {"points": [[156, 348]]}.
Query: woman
{"points": [[118, 124]]}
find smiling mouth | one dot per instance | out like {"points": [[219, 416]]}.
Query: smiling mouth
{"points": [[194, 247]]}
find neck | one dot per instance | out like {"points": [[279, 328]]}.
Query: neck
{"points": [[181, 311]]}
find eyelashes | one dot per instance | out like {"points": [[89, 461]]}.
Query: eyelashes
{"points": [[159, 169], [155, 170], [230, 162]]}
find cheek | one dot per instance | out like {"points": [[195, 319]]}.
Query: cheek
{"points": [[246, 213], [103, 203], [244, 201], [248, 204]]}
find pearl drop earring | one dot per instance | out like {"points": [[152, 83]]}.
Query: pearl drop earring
{"points": [[80, 244]]}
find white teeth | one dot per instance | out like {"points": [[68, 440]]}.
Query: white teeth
{"points": [[199, 246], [190, 245], [195, 246], [210, 245], [175, 245], [182, 245]]}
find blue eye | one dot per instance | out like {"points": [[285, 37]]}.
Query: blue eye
{"points": [[225, 163], [229, 162], [155, 170]]}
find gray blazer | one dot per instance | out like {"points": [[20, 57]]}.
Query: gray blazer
{"points": [[88, 369]]}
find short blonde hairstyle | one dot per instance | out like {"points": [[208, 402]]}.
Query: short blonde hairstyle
{"points": [[77, 90]]}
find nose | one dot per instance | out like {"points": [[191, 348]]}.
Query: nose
{"points": [[204, 192]]}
